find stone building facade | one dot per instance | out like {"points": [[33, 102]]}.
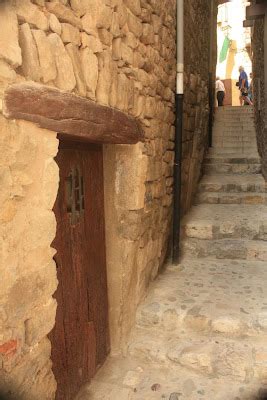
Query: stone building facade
{"points": [[196, 104], [258, 90], [121, 54]]}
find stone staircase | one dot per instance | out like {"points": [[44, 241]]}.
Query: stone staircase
{"points": [[201, 332]]}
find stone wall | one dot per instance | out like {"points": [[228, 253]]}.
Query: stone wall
{"points": [[120, 53], [196, 108], [117, 53], [29, 181], [259, 92]]}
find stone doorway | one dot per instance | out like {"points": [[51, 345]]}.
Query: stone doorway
{"points": [[80, 338]]}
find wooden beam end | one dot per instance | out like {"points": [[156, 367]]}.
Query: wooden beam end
{"points": [[72, 116]]}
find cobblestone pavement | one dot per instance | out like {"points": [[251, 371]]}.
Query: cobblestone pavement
{"points": [[201, 332]]}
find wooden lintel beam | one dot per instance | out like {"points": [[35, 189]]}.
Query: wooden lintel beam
{"points": [[72, 116], [255, 11], [248, 23]]}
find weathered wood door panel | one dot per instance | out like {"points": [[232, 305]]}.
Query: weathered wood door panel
{"points": [[80, 340]]}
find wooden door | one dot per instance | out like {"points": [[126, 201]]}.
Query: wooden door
{"points": [[80, 339]]}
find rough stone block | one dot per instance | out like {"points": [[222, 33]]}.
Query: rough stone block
{"points": [[6, 72], [74, 54], [50, 182], [134, 6], [92, 42], [9, 43], [30, 13], [65, 75], [21, 300], [134, 25], [30, 59], [46, 58], [105, 36], [54, 24], [70, 34], [131, 176], [80, 6], [90, 70], [115, 26], [63, 13], [37, 327], [99, 16], [104, 78], [147, 34], [116, 49], [228, 325]]}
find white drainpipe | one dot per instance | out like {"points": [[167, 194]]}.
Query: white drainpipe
{"points": [[180, 47]]}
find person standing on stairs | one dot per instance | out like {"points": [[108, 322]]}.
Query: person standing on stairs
{"points": [[220, 91], [243, 87], [250, 88]]}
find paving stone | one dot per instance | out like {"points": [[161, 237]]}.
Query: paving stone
{"points": [[216, 293]]}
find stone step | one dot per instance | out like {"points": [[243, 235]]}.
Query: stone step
{"points": [[236, 116], [235, 137], [235, 110], [211, 356], [222, 297], [234, 125], [233, 140], [230, 198], [249, 141], [241, 152], [233, 183], [232, 249], [232, 159], [232, 168], [234, 147], [225, 221], [235, 130], [239, 127], [228, 135]]}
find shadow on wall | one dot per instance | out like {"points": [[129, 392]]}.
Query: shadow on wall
{"points": [[260, 395], [12, 395]]}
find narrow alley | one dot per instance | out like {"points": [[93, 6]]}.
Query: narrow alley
{"points": [[201, 332]]}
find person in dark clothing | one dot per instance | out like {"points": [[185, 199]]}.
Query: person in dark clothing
{"points": [[220, 91]]}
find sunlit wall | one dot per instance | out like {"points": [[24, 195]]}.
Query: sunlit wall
{"points": [[234, 53]]}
